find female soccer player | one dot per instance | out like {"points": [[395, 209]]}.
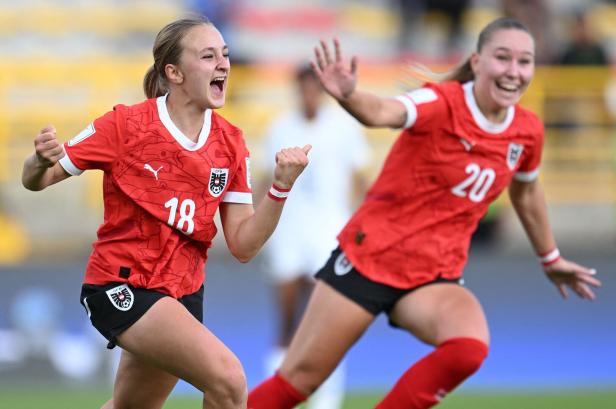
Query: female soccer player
{"points": [[464, 141], [170, 163]]}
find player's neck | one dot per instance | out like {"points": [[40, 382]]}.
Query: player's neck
{"points": [[491, 112], [187, 117]]}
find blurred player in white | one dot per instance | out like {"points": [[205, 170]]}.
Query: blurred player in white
{"points": [[321, 204]]}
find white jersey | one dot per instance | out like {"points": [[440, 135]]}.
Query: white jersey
{"points": [[320, 202]]}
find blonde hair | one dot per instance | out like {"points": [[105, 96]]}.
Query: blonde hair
{"points": [[167, 50], [464, 72]]}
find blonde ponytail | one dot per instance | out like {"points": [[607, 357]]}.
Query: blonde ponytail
{"points": [[419, 74], [153, 84]]}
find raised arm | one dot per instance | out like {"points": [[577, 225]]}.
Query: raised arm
{"points": [[340, 81], [529, 203], [246, 229], [41, 169]]}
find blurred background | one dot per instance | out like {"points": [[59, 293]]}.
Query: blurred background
{"points": [[66, 62]]}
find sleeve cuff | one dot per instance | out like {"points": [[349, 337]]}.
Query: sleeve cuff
{"points": [[238, 197], [526, 176], [69, 166], [411, 110]]}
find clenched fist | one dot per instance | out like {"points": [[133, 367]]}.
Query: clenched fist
{"points": [[290, 163], [47, 148]]}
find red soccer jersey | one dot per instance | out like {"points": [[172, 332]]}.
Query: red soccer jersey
{"points": [[161, 191], [445, 168]]}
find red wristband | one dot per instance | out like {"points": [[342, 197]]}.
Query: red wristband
{"points": [[278, 194], [549, 257]]}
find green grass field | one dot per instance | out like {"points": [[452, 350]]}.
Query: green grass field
{"points": [[19, 398]]}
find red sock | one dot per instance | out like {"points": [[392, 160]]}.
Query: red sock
{"points": [[424, 384], [274, 393]]}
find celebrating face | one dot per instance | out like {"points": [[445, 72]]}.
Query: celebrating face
{"points": [[204, 66], [503, 68]]}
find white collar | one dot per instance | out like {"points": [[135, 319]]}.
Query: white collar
{"points": [[480, 119], [163, 114]]}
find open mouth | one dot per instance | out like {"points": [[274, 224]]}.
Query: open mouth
{"points": [[508, 87], [217, 85]]}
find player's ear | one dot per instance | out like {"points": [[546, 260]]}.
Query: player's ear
{"points": [[173, 73]]}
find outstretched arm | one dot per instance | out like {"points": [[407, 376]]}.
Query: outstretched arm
{"points": [[340, 81], [246, 229], [42, 169], [529, 203]]}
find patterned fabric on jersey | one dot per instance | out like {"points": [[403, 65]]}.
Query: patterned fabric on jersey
{"points": [[436, 183], [161, 192]]}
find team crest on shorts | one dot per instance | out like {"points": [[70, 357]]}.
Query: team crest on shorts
{"points": [[218, 181], [121, 297], [514, 152], [342, 265]]}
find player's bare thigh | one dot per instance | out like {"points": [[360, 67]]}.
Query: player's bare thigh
{"points": [[331, 324], [140, 385], [170, 338], [441, 311]]}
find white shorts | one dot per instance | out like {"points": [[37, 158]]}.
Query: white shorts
{"points": [[293, 252]]}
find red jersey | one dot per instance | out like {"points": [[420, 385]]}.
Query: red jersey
{"points": [[445, 168], [161, 191]]}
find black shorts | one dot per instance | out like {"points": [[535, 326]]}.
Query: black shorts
{"points": [[114, 307], [374, 297]]}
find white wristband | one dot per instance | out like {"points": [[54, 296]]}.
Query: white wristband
{"points": [[277, 193], [549, 257]]}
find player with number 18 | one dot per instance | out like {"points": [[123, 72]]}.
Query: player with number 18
{"points": [[169, 163]]}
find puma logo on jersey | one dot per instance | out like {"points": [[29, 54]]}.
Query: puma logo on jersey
{"points": [[151, 169], [467, 145]]}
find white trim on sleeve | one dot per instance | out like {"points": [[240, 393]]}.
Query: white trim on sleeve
{"points": [[69, 166], [526, 176], [411, 110], [238, 197]]}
